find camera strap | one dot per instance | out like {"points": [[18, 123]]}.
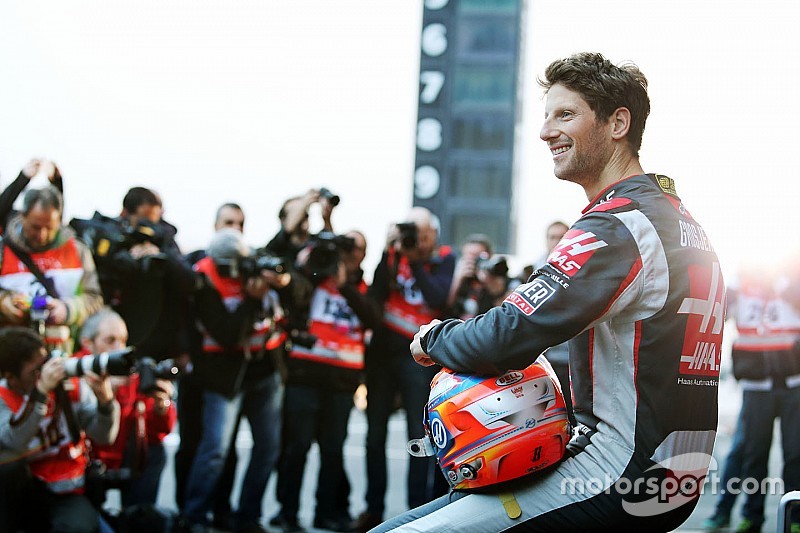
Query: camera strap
{"points": [[62, 399], [26, 259]]}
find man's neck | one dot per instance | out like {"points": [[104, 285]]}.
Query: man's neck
{"points": [[619, 167]]}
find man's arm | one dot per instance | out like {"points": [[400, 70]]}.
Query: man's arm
{"points": [[99, 419], [435, 285], [18, 429], [89, 299], [226, 327], [550, 309]]}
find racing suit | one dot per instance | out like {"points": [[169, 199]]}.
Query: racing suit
{"points": [[636, 286]]}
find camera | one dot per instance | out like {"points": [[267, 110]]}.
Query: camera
{"points": [[496, 266], [328, 195], [323, 258], [409, 234], [114, 363], [248, 267], [106, 236], [150, 370]]}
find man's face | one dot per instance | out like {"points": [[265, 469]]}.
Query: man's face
{"points": [[149, 212], [554, 235], [426, 240], [472, 250], [230, 217], [581, 146], [111, 335], [40, 226], [352, 260], [28, 373]]}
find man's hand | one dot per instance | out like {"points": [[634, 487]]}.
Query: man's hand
{"points": [[416, 347], [58, 311], [144, 249], [101, 386], [13, 307], [50, 375], [275, 280], [31, 168], [162, 396]]}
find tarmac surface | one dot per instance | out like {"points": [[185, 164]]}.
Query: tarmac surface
{"points": [[730, 399]]}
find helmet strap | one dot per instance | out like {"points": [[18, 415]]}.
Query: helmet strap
{"points": [[510, 504]]}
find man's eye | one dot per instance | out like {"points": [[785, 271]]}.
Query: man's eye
{"points": [[566, 114]]}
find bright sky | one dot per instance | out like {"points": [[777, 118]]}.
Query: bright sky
{"points": [[256, 101]]}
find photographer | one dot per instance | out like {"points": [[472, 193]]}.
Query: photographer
{"points": [[237, 307], [190, 403], [488, 289], [411, 282], [147, 415], [43, 468], [142, 272], [293, 235], [41, 258], [324, 370], [462, 301], [15, 188]]}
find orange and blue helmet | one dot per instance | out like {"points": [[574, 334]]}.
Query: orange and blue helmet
{"points": [[485, 431]]}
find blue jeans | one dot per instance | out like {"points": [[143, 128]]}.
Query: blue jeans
{"points": [[314, 413], [262, 407], [144, 488], [759, 411], [387, 375]]}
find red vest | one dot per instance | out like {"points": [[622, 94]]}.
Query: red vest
{"points": [[232, 293], [62, 265], [405, 310], [340, 336], [764, 320], [52, 457]]}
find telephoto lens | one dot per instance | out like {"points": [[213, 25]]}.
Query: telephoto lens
{"points": [[114, 363]]}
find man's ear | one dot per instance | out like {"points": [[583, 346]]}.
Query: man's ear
{"points": [[620, 123]]}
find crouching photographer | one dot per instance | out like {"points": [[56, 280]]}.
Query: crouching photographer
{"points": [[134, 461], [324, 370], [43, 461], [237, 306]]}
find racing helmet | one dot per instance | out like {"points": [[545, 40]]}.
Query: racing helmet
{"points": [[485, 431]]}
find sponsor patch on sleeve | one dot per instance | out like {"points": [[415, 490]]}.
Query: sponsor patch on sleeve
{"points": [[530, 296], [574, 250]]}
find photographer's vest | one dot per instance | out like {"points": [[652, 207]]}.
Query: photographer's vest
{"points": [[405, 309], [768, 328], [51, 455], [340, 336], [231, 290], [62, 265]]}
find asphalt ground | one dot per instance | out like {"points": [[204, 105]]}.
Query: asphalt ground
{"points": [[730, 399]]}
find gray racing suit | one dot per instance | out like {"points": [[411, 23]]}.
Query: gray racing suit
{"points": [[636, 285]]}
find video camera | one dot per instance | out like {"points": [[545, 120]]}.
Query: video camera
{"points": [[251, 266], [106, 236], [325, 249], [409, 234]]}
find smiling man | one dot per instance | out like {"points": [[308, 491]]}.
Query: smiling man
{"points": [[643, 312]]}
